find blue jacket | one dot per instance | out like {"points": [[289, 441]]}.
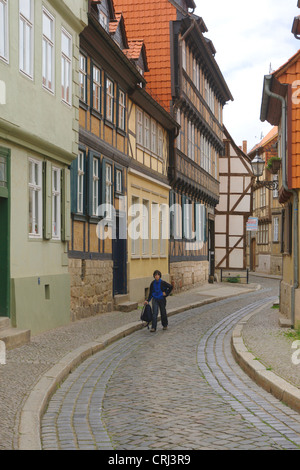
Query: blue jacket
{"points": [[157, 288]]}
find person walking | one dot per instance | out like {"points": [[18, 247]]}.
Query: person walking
{"points": [[158, 292]]}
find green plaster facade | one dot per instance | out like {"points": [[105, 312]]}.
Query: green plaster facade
{"points": [[38, 136]]}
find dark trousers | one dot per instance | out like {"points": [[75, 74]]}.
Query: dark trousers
{"points": [[161, 305]]}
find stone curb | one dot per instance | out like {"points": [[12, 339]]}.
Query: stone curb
{"points": [[268, 380], [29, 423]]}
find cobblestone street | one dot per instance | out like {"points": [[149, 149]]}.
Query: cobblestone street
{"points": [[175, 389]]}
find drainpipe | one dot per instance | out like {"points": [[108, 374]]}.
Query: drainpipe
{"points": [[295, 193]]}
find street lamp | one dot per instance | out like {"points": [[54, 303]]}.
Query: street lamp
{"points": [[258, 165]]}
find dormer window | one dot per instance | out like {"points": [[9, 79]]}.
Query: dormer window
{"points": [[103, 20]]}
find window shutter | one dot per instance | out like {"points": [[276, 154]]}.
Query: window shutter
{"points": [[172, 215], [47, 201], [205, 224], [66, 205], [90, 183], [74, 185], [183, 202], [197, 222]]}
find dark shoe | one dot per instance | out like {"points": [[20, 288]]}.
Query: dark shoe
{"points": [[165, 328], [152, 330]]}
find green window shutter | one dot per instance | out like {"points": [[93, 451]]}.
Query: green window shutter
{"points": [[74, 185], [66, 205], [47, 201]]}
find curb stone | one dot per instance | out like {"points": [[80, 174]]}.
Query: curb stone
{"points": [[268, 380], [29, 437]]}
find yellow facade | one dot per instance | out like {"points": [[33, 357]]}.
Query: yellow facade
{"points": [[148, 204]]}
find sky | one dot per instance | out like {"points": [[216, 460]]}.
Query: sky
{"points": [[250, 38]]}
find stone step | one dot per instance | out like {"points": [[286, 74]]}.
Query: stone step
{"points": [[4, 323], [120, 298], [127, 306], [14, 337]]}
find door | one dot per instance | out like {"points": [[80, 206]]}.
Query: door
{"points": [[4, 234], [211, 246], [119, 256]]}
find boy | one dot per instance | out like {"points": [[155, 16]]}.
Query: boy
{"points": [[159, 290]]}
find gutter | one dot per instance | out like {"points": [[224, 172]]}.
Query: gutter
{"points": [[268, 91]]}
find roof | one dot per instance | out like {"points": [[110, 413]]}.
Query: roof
{"points": [[271, 135], [135, 49], [283, 68]]}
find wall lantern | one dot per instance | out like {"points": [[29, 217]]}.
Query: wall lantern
{"points": [[258, 166]]}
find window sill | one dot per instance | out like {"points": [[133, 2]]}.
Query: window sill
{"points": [[109, 123], [83, 105]]}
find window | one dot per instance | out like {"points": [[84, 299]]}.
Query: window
{"points": [[103, 20], [147, 131], [82, 77], [3, 172], [139, 125], [134, 226], [160, 142], [66, 48], [122, 98], [187, 218], [178, 118], [35, 198], [163, 228], [80, 182], [109, 100], [4, 30], [56, 198], [95, 185], [97, 89], [262, 197], [108, 190], [48, 51], [154, 227], [183, 55], [153, 137], [26, 37], [119, 188], [145, 229], [275, 191], [276, 229]]}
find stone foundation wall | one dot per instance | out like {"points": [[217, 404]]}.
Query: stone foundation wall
{"points": [[91, 287], [285, 299], [185, 275], [276, 265]]}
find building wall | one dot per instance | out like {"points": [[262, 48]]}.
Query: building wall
{"points": [[36, 124]]}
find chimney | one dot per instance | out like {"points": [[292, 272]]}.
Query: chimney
{"points": [[245, 146]]}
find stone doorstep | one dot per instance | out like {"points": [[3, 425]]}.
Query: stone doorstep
{"points": [[12, 337], [120, 298], [127, 306]]}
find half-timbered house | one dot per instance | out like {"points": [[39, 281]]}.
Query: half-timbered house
{"points": [[234, 208], [121, 167], [185, 76]]}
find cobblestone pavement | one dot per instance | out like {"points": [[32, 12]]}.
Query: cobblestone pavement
{"points": [[175, 389]]}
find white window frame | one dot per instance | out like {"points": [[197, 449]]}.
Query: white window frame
{"points": [[82, 77], [139, 127], [96, 166], [97, 88], [135, 221], [119, 175], [66, 66], [80, 182], [109, 112], [147, 131], [276, 229], [163, 228], [26, 42], [275, 191], [36, 190], [160, 142], [154, 228], [4, 35], [153, 136], [183, 55], [48, 48], [56, 204], [122, 109], [145, 228], [108, 190]]}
